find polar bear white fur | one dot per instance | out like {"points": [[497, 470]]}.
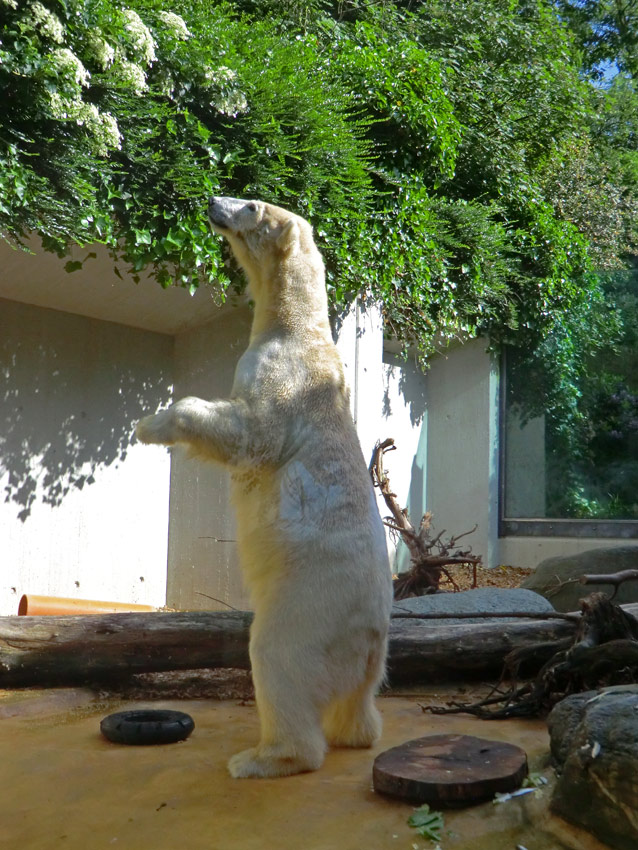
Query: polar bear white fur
{"points": [[311, 542]]}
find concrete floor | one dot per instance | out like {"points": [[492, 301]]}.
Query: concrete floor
{"points": [[63, 786]]}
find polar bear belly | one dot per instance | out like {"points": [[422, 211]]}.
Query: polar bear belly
{"points": [[307, 502]]}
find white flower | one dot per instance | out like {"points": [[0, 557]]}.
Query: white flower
{"points": [[45, 21], [230, 100], [174, 23], [67, 63], [89, 114], [140, 36], [64, 108], [130, 74], [219, 76], [225, 75], [12, 4], [231, 103], [110, 131], [103, 53], [102, 128]]}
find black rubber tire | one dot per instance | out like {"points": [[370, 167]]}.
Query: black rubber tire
{"points": [[147, 726]]}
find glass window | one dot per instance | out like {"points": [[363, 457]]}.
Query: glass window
{"points": [[572, 468]]}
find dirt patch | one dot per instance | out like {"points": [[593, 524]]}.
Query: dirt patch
{"points": [[218, 684], [465, 579]]}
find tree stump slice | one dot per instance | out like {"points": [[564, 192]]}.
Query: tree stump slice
{"points": [[449, 770]]}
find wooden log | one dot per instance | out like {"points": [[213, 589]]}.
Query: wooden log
{"points": [[449, 770], [56, 651], [420, 650]]}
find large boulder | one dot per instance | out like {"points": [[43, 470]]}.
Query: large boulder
{"points": [[595, 749], [557, 578], [481, 600]]}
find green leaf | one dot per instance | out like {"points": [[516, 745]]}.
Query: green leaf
{"points": [[427, 823]]}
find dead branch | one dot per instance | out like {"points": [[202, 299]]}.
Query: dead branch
{"points": [[454, 615], [429, 555], [615, 579], [604, 651]]}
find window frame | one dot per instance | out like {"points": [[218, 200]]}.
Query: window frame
{"points": [[626, 529]]}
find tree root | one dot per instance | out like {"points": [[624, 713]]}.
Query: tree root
{"points": [[429, 555], [604, 652]]}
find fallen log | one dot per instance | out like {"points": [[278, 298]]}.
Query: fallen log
{"points": [[421, 650], [56, 651], [602, 652]]}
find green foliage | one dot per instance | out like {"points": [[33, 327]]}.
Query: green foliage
{"points": [[427, 823], [455, 163], [606, 30]]}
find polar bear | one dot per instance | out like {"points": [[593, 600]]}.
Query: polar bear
{"points": [[311, 542]]}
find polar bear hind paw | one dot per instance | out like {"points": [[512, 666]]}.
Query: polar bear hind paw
{"points": [[253, 764]]}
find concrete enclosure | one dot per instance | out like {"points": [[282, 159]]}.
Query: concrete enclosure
{"points": [[89, 513]]}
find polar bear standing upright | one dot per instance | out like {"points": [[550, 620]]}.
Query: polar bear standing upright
{"points": [[311, 542]]}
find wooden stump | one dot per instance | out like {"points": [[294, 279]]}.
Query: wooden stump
{"points": [[449, 770]]}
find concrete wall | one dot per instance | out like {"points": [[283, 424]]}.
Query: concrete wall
{"points": [[90, 513], [530, 551], [404, 417], [203, 572], [462, 461], [84, 511], [462, 454]]}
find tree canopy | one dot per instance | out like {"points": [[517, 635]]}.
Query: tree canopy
{"points": [[458, 161]]}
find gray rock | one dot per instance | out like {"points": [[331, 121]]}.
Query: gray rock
{"points": [[594, 741], [549, 574], [492, 599]]}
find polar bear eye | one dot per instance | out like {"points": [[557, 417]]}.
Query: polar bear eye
{"points": [[252, 206]]}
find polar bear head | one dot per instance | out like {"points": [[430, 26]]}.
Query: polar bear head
{"points": [[265, 238]]}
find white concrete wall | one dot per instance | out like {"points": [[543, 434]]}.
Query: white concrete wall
{"points": [[530, 551], [462, 455], [404, 418], [85, 510], [388, 399], [359, 340], [203, 571]]}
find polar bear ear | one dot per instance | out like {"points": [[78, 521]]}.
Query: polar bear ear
{"points": [[288, 239]]}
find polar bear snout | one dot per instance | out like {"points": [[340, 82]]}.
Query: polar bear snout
{"points": [[224, 212]]}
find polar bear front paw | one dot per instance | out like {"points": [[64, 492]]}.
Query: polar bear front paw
{"points": [[158, 428], [251, 764]]}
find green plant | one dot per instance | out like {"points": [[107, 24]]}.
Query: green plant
{"points": [[427, 822], [448, 155]]}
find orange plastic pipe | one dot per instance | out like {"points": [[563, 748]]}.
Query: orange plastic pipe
{"points": [[56, 606]]}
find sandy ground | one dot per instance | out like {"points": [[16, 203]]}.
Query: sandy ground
{"points": [[64, 786], [503, 576]]}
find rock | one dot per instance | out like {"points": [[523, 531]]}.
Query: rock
{"points": [[569, 568], [483, 599], [594, 744]]}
